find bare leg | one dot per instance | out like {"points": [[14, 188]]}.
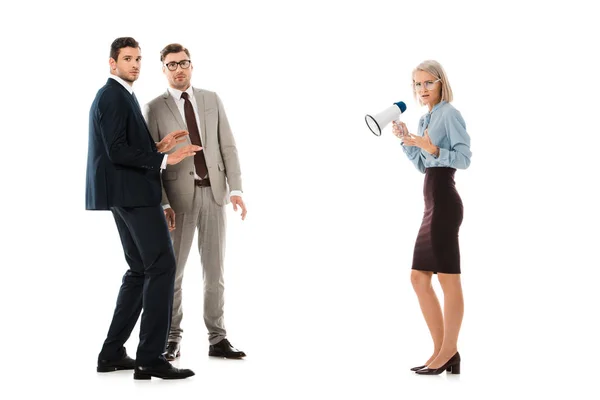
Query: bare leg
{"points": [[430, 307], [453, 316]]}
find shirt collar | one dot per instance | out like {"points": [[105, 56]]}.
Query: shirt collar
{"points": [[122, 82], [438, 105], [177, 93]]}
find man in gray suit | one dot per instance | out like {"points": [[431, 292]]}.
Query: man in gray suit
{"points": [[196, 190]]}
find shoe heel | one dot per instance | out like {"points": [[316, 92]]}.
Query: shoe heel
{"points": [[141, 376], [106, 369], [454, 369]]}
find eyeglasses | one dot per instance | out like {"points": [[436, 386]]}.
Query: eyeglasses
{"points": [[184, 64], [428, 85]]}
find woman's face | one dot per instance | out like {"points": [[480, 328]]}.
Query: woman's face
{"points": [[428, 88]]}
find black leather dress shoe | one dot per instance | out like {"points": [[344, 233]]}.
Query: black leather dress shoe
{"points": [[418, 368], [225, 349], [172, 351], [115, 365], [164, 371]]}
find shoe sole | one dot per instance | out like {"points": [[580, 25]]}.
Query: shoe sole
{"points": [[112, 369], [145, 377], [224, 356]]}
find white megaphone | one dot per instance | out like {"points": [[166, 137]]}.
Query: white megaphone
{"points": [[380, 121]]}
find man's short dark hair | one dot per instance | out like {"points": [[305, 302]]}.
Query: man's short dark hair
{"points": [[172, 48], [120, 43]]}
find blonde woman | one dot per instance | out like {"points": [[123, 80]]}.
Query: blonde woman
{"points": [[440, 146]]}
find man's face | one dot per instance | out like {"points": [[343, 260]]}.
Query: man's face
{"points": [[179, 78], [127, 66]]}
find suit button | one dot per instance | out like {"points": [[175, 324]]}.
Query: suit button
{"points": [[191, 172]]}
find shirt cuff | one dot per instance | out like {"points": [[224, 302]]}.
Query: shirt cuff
{"points": [[444, 157], [164, 162], [428, 156], [165, 206], [235, 193], [440, 161]]}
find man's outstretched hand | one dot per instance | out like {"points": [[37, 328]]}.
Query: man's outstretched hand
{"points": [[171, 140]]}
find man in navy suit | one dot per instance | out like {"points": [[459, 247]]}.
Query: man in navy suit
{"points": [[123, 176]]}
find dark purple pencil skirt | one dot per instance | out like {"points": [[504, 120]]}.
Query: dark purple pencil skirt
{"points": [[436, 248]]}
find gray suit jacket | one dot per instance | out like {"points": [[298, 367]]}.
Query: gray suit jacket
{"points": [[220, 152]]}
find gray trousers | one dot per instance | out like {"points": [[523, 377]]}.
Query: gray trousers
{"points": [[209, 218]]}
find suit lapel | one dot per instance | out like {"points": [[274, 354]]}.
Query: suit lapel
{"points": [[202, 123], [170, 102], [135, 106]]}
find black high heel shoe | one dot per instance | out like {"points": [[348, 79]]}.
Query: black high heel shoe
{"points": [[452, 366], [418, 368]]}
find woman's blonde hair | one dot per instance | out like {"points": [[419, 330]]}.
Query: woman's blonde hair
{"points": [[434, 68]]}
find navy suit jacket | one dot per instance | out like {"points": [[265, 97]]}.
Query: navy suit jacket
{"points": [[123, 166]]}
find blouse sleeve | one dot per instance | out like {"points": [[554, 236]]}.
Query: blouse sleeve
{"points": [[459, 154], [414, 155]]}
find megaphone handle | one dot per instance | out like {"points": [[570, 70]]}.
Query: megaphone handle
{"points": [[400, 126]]}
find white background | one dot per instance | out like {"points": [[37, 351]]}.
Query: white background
{"points": [[317, 277]]}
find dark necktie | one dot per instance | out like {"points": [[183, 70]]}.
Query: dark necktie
{"points": [[192, 125]]}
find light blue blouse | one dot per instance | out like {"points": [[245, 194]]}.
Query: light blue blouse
{"points": [[447, 130]]}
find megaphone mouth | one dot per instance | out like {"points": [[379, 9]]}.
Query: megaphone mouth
{"points": [[373, 125]]}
